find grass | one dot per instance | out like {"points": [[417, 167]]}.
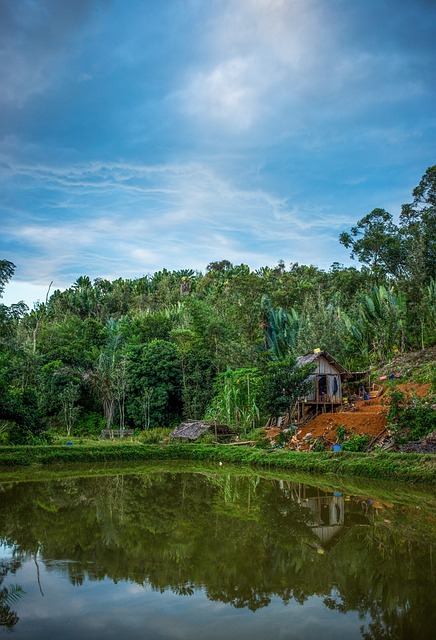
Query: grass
{"points": [[416, 468]]}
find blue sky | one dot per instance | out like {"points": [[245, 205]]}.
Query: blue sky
{"points": [[142, 134]]}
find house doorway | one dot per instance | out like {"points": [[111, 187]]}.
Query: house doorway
{"points": [[322, 388]]}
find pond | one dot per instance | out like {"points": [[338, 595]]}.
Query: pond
{"points": [[177, 551]]}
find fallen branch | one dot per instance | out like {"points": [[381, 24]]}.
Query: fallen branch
{"points": [[234, 444]]}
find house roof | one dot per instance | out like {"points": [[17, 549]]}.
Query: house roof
{"points": [[194, 429], [312, 357]]}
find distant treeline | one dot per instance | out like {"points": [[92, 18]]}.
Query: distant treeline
{"points": [[150, 351]]}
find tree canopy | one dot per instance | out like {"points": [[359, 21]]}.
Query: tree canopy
{"points": [[174, 345]]}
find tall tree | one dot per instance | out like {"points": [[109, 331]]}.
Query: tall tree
{"points": [[7, 269], [418, 230], [374, 241]]}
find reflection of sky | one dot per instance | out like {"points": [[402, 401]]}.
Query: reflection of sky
{"points": [[102, 609]]}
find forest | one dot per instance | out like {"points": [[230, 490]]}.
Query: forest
{"points": [[149, 352]]}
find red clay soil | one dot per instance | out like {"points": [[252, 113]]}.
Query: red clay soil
{"points": [[367, 417], [410, 388]]}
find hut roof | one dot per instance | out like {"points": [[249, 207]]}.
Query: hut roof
{"points": [[195, 428], [312, 356]]}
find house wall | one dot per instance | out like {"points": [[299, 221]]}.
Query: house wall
{"points": [[324, 368]]}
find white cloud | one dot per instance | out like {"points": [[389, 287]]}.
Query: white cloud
{"points": [[28, 292], [126, 219], [259, 52], [280, 63], [225, 94]]}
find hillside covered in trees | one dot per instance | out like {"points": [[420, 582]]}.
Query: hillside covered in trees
{"points": [[174, 345]]}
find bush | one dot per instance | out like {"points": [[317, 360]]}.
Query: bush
{"points": [[260, 439], [154, 436], [44, 438], [356, 443], [89, 424], [207, 437], [341, 432], [410, 418], [319, 446]]}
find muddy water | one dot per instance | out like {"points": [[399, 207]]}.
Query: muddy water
{"points": [[176, 552]]}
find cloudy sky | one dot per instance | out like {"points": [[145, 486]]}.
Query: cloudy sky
{"points": [[142, 134]]}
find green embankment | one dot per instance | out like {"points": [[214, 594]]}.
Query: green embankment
{"points": [[390, 466]]}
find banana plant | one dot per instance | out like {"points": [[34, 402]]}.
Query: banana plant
{"points": [[280, 329]]}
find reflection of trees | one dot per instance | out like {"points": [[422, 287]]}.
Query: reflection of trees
{"points": [[243, 540], [9, 595], [391, 584]]}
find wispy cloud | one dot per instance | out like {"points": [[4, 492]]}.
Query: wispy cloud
{"points": [[136, 218], [148, 134]]}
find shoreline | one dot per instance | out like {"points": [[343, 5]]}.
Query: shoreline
{"points": [[403, 467]]}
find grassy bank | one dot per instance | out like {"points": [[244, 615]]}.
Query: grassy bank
{"points": [[390, 466]]}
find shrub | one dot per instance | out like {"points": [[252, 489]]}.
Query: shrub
{"points": [[341, 432], [259, 437], [154, 436], [319, 446], [356, 443], [410, 418], [90, 424], [206, 438]]}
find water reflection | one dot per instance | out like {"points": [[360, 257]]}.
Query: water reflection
{"points": [[9, 594], [249, 543]]}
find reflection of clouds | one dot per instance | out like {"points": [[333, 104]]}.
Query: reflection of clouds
{"points": [[102, 609]]}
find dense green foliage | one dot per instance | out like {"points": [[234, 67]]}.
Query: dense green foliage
{"points": [[148, 352], [410, 418]]}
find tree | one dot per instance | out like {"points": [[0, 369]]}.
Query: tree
{"points": [[8, 315], [283, 382], [375, 241], [280, 330], [379, 328], [237, 394], [155, 383], [418, 230], [7, 270], [70, 411], [108, 377]]}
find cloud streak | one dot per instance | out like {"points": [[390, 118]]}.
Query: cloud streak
{"points": [[148, 134], [166, 215]]}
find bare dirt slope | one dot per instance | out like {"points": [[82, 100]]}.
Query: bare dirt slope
{"points": [[366, 417]]}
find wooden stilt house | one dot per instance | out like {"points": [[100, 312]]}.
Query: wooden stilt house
{"points": [[327, 384]]}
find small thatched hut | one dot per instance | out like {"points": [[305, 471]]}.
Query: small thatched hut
{"points": [[195, 428]]}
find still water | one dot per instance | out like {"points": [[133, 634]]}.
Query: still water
{"points": [[175, 552]]}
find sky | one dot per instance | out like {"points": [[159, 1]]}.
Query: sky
{"points": [[172, 133]]}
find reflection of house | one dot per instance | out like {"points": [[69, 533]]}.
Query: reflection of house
{"points": [[326, 389], [327, 510]]}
